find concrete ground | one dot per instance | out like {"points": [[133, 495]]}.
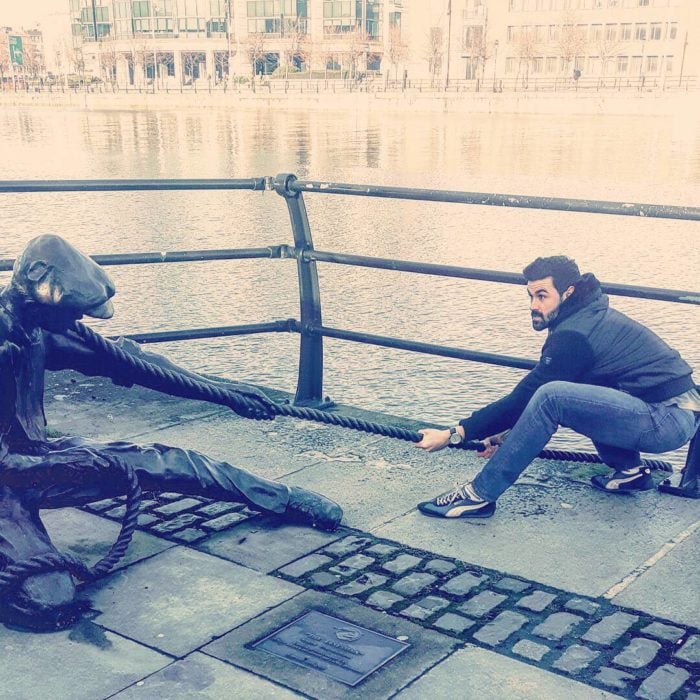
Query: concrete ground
{"points": [[565, 592]]}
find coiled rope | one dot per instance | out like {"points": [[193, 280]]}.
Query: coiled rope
{"points": [[259, 407], [14, 573]]}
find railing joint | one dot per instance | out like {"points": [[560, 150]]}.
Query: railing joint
{"points": [[281, 184]]}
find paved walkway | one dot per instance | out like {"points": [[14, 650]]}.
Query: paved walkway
{"points": [[565, 592]]}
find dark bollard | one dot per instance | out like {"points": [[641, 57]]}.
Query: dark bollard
{"points": [[689, 485]]}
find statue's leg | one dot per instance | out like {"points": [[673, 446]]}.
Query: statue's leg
{"points": [[42, 601], [162, 468]]}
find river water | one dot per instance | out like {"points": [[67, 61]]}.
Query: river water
{"points": [[634, 159]]}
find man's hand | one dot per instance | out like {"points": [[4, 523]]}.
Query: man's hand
{"points": [[492, 443], [433, 439]]}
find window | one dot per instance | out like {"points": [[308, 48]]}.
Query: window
{"points": [[652, 65], [537, 64], [622, 64], [636, 65], [596, 32], [673, 30], [669, 64], [610, 32], [553, 32], [625, 32], [539, 32], [655, 31], [510, 65], [643, 3], [640, 32], [551, 64]]}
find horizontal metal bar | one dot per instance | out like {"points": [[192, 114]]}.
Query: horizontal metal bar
{"points": [[7, 186], [285, 326], [626, 290], [178, 256], [591, 206], [427, 348]]}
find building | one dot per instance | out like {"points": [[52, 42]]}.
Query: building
{"points": [[526, 42], [181, 42], [21, 55]]}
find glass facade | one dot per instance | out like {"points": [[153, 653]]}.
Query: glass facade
{"points": [[278, 17], [346, 16]]}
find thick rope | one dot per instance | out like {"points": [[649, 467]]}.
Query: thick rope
{"points": [[262, 408], [13, 574]]}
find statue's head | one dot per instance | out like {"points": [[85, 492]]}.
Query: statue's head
{"points": [[62, 282]]}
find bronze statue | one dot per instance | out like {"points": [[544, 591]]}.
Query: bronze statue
{"points": [[52, 286]]}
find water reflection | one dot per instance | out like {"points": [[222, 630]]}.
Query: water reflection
{"points": [[641, 159]]}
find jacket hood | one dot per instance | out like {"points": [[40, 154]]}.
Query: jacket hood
{"points": [[586, 291]]}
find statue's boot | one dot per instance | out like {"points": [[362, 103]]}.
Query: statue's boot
{"points": [[42, 601]]}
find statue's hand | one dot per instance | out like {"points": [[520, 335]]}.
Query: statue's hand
{"points": [[264, 408]]}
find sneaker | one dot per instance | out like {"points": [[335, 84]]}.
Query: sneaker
{"points": [[624, 481], [312, 509], [459, 503]]}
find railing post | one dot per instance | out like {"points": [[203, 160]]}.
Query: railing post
{"points": [[310, 379]]}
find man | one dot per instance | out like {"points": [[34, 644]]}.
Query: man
{"points": [[600, 373], [53, 285]]}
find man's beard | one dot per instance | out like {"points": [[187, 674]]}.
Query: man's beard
{"points": [[540, 322]]}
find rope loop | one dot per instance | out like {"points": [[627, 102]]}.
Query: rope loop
{"points": [[13, 574]]}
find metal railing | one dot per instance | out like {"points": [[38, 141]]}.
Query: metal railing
{"points": [[309, 389]]}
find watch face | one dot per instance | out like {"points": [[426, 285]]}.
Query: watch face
{"points": [[455, 438]]}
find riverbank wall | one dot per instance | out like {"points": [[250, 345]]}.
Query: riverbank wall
{"points": [[589, 102]]}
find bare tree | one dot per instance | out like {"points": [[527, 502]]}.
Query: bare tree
{"points": [[526, 48], [572, 41], [435, 52], [255, 45], [397, 51], [4, 62], [297, 44], [108, 63], [607, 48], [357, 45], [477, 46]]}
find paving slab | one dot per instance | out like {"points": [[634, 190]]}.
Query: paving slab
{"points": [[95, 408], [90, 537], [180, 599], [200, 676], [670, 587], [427, 648], [271, 449], [388, 480], [478, 673], [567, 523], [265, 544], [84, 663]]}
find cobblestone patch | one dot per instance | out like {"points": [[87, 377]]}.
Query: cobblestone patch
{"points": [[182, 519], [628, 652]]}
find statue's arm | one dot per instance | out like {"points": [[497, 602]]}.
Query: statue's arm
{"points": [[70, 351], [8, 387]]}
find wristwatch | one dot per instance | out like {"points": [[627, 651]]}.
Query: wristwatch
{"points": [[455, 437]]}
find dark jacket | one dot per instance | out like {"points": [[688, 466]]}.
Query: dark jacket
{"points": [[590, 343]]}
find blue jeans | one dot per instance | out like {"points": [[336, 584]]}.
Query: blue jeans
{"points": [[619, 425]]}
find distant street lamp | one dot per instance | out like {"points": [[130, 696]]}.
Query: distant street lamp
{"points": [[495, 61], [449, 42], [154, 9]]}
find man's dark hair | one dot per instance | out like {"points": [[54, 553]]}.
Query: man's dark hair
{"points": [[563, 271]]}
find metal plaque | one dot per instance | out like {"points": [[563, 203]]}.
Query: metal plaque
{"points": [[334, 647]]}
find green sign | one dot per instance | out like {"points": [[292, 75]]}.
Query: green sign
{"points": [[16, 51]]}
